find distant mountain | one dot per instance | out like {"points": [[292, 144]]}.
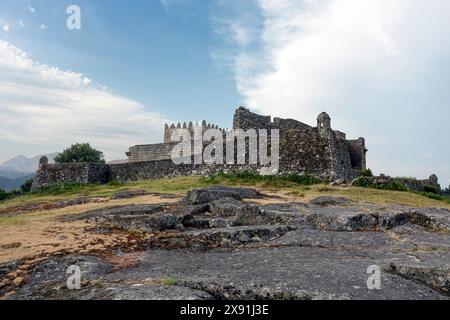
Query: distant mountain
{"points": [[8, 184], [11, 174], [16, 171], [22, 165]]}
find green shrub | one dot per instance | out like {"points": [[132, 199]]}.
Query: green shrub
{"points": [[366, 182], [446, 192], [362, 181], [26, 187], [4, 195], [80, 152], [396, 186], [248, 177], [433, 195], [430, 189], [366, 173]]}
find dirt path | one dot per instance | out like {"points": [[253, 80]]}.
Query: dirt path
{"points": [[41, 234]]}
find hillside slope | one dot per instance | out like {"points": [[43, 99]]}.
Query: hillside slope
{"points": [[9, 184], [166, 241], [23, 164]]}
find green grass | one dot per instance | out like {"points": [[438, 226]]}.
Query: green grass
{"points": [[169, 281], [294, 185], [175, 186], [380, 196], [13, 221], [71, 191], [366, 182], [250, 178], [430, 191], [435, 196]]}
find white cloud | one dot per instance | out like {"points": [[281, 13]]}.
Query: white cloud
{"points": [[43, 27], [31, 8], [6, 27], [20, 22], [47, 106], [166, 5], [169, 4], [380, 68]]}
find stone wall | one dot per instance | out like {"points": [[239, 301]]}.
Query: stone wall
{"points": [[341, 165], [245, 119], [305, 152], [81, 173], [151, 152], [287, 124], [357, 150], [151, 170], [318, 151], [341, 160]]}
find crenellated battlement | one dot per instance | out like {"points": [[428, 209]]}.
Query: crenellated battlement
{"points": [[191, 127]]}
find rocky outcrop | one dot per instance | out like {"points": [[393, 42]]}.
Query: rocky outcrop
{"points": [[213, 245], [201, 196], [435, 277], [127, 194], [430, 185]]}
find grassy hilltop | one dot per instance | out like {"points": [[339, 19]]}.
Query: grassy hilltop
{"points": [[293, 187], [53, 225]]}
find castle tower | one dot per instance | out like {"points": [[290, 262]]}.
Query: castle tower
{"points": [[191, 127], [43, 162], [324, 125]]}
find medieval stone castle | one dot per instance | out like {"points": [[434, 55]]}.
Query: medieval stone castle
{"points": [[318, 151], [304, 149]]}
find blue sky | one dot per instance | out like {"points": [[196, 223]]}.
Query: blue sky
{"points": [[380, 68], [158, 54]]}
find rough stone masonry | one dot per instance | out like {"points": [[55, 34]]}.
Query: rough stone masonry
{"points": [[319, 151]]}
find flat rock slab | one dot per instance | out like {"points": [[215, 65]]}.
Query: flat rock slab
{"points": [[336, 240], [331, 201], [147, 209], [48, 281], [280, 273], [435, 277], [144, 291], [377, 218], [127, 194], [201, 196], [219, 237]]}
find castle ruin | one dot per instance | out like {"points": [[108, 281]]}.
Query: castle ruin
{"points": [[318, 151]]}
